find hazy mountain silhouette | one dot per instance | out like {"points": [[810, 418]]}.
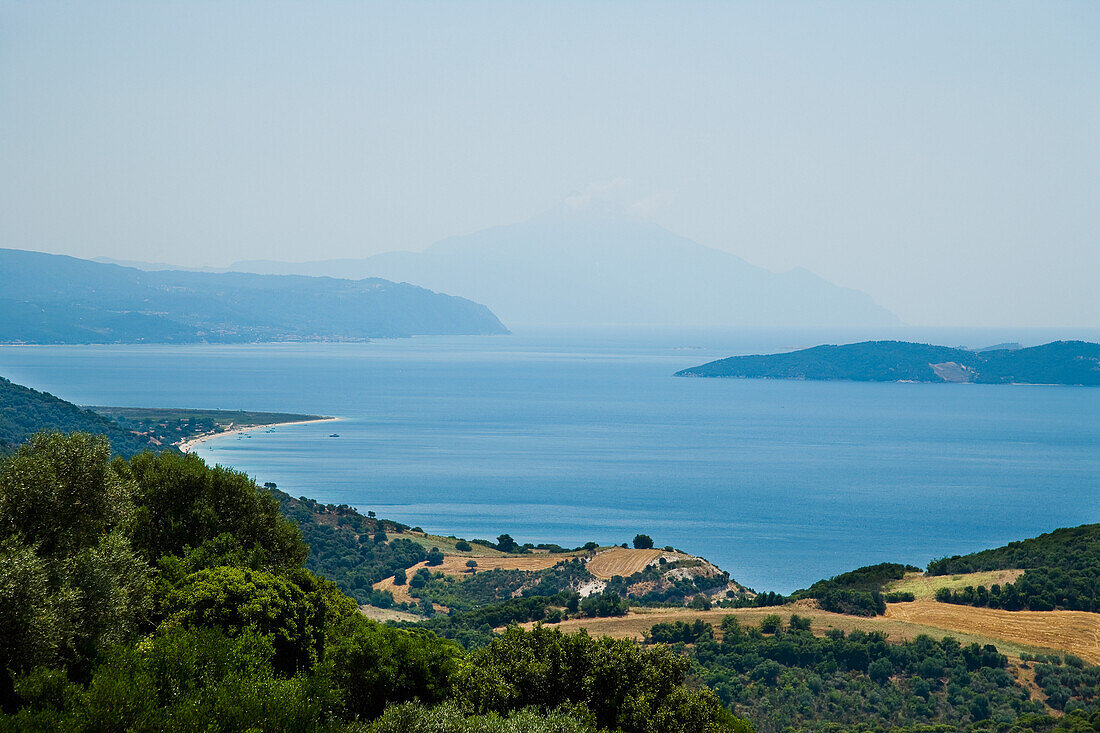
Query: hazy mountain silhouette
{"points": [[57, 299], [596, 266]]}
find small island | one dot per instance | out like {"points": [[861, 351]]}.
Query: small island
{"points": [[1059, 362]]}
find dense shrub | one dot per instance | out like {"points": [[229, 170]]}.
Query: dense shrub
{"points": [[604, 604], [181, 681], [375, 665], [183, 503], [623, 686], [448, 718], [857, 592]]}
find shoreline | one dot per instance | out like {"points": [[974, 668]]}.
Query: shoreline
{"points": [[187, 445]]}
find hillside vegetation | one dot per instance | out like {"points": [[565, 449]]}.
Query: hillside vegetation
{"points": [[1062, 570], [131, 430], [1059, 362], [782, 677], [25, 411], [159, 594], [54, 299]]}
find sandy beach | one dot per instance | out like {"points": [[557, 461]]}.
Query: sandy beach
{"points": [[187, 445]]}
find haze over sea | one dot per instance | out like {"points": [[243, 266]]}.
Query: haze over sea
{"points": [[569, 437]]}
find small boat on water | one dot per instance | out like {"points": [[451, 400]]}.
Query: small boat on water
{"points": [[335, 435]]}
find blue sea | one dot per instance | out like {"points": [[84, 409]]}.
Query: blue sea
{"points": [[570, 437]]}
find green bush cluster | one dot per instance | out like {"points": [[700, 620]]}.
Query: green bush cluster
{"points": [[857, 592]]}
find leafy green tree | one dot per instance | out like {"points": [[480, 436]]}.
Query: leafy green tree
{"points": [[399, 577], [60, 493], [700, 603], [771, 624], [505, 543], [375, 665], [607, 603], [233, 599], [35, 616], [643, 542], [183, 503], [798, 623], [69, 582], [435, 557], [880, 670]]}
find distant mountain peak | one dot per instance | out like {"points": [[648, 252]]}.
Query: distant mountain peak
{"points": [[592, 261]]}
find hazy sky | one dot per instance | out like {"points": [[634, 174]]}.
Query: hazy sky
{"points": [[942, 156]]}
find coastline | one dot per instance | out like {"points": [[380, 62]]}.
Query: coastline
{"points": [[187, 445]]}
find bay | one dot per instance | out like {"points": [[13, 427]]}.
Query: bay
{"points": [[569, 437]]}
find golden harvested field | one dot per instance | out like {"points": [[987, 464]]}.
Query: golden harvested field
{"points": [[388, 614], [924, 586], [638, 621], [400, 592], [456, 564], [1077, 632], [621, 561]]}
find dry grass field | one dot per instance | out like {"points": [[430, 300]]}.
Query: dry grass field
{"points": [[639, 621], [621, 561], [605, 565], [1077, 632], [400, 592], [923, 587], [446, 545], [456, 564], [388, 614]]}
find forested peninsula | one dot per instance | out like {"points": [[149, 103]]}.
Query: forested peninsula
{"points": [[1059, 362], [55, 299], [131, 430]]}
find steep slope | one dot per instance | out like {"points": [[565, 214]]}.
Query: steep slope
{"points": [[25, 411], [599, 267], [57, 299]]}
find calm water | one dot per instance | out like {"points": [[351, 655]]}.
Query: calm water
{"points": [[568, 438]]}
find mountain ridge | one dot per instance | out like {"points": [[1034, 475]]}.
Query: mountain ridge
{"points": [[599, 266], [50, 298]]}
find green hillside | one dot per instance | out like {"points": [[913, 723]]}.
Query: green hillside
{"points": [[1063, 572], [160, 594], [1059, 362], [24, 412]]}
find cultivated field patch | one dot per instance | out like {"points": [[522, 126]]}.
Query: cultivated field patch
{"points": [[639, 621], [1077, 632], [625, 562], [924, 587]]}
